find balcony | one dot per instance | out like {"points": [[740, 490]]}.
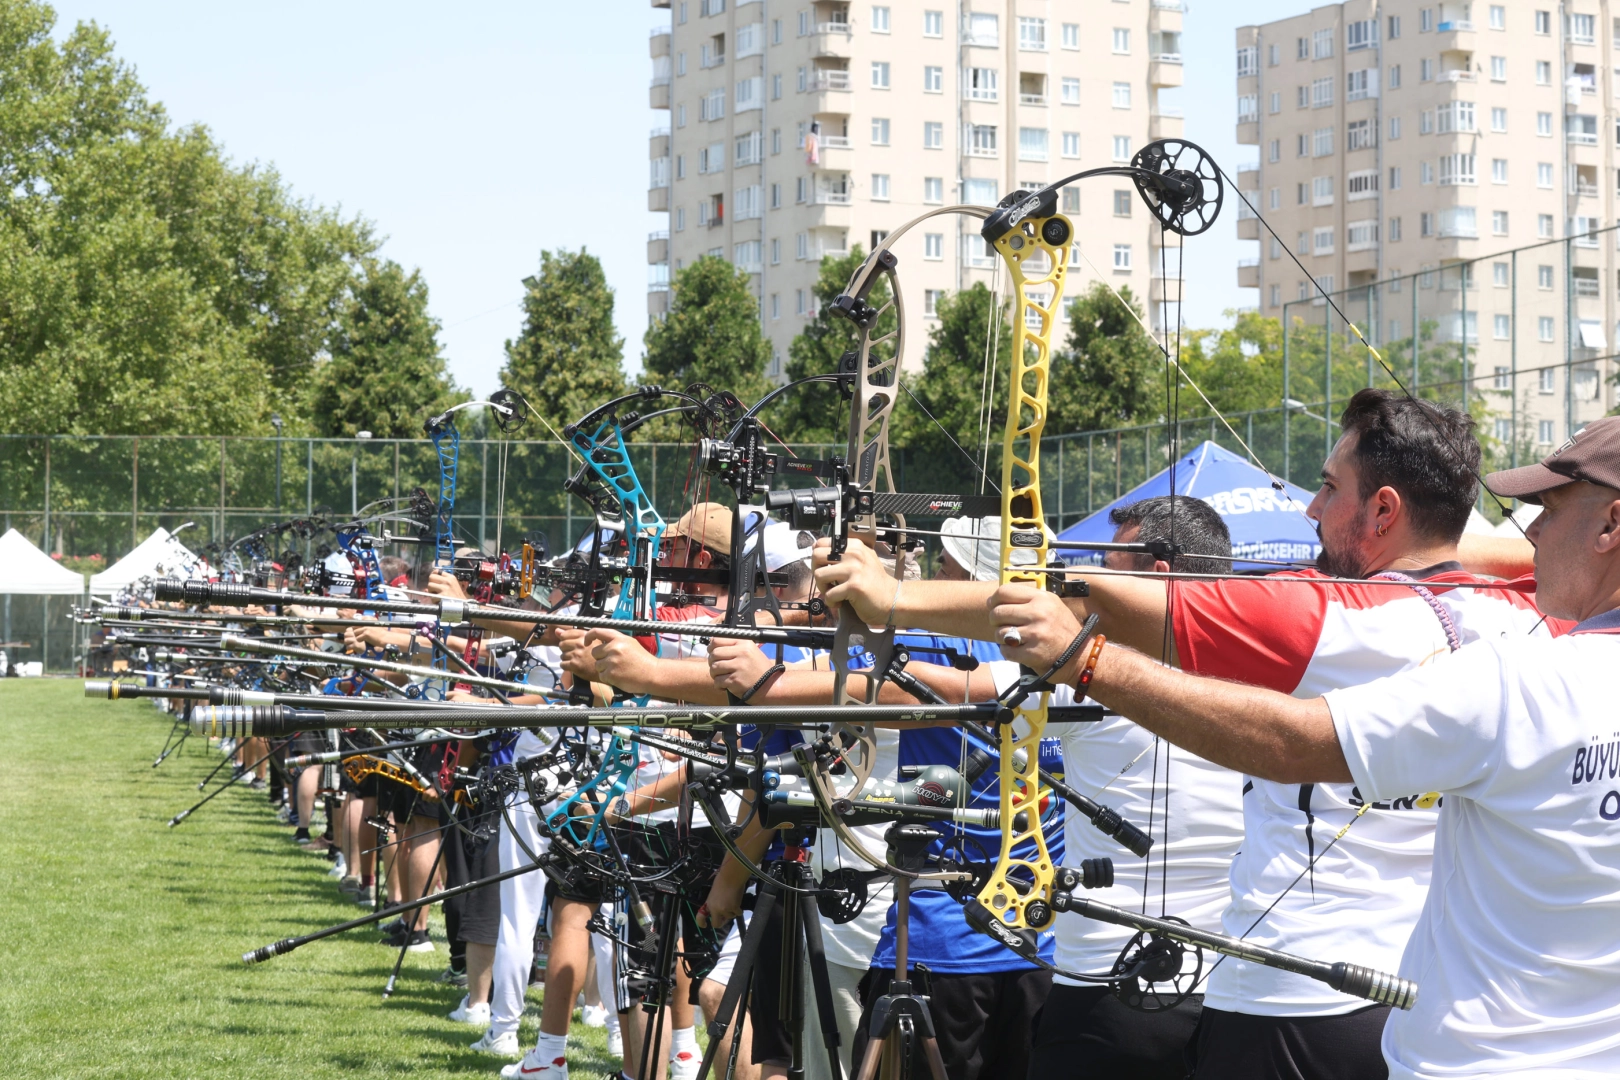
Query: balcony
{"points": [[658, 200], [658, 246], [1038, 100], [658, 144], [833, 198], [1450, 25], [1163, 72], [1248, 276], [657, 299], [832, 40], [1587, 287], [1165, 16], [1457, 75], [836, 142], [661, 4], [1166, 124], [1248, 180], [1162, 5], [833, 79], [658, 94], [982, 151], [1586, 191], [658, 42]]}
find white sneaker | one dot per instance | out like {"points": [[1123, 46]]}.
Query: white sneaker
{"points": [[503, 1045], [593, 1016], [477, 1015], [683, 1064], [340, 869], [616, 1042], [534, 1067]]}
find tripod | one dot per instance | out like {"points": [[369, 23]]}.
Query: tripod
{"points": [[786, 896], [899, 1017]]}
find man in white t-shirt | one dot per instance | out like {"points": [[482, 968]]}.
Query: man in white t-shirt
{"points": [[1396, 494], [1514, 955]]}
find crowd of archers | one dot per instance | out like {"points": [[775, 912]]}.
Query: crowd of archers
{"points": [[885, 800]]}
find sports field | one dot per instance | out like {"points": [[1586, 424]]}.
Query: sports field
{"points": [[121, 939]]}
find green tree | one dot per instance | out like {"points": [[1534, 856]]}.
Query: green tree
{"points": [[817, 414], [567, 360], [1110, 373], [386, 374], [146, 285], [711, 335], [940, 423]]}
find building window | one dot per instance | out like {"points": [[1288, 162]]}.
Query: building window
{"points": [[1122, 99], [1359, 85], [1544, 126], [1394, 128], [880, 131], [1302, 97], [1301, 196], [801, 186], [1122, 41], [1359, 135], [1425, 172], [1302, 144], [880, 20], [1501, 330], [1322, 242], [981, 140], [1276, 103], [1544, 332], [982, 84], [776, 251], [1426, 224], [680, 115], [1394, 25], [1499, 120], [1456, 116], [1248, 107], [1122, 257], [880, 74], [1543, 73], [1302, 49], [880, 187], [1321, 93], [1394, 230], [1276, 296], [933, 80], [1425, 20], [1321, 44], [931, 302], [1499, 223], [1122, 203], [1248, 61], [1543, 22], [933, 24], [1498, 69], [1362, 34], [1070, 91], [1274, 150], [1273, 55], [1322, 191], [1122, 148], [1394, 76], [1499, 275], [1394, 178], [933, 189], [680, 219], [776, 196], [1544, 226], [1032, 144], [1544, 277], [1071, 144], [1426, 122], [1544, 428], [1582, 29], [1071, 200], [1031, 34], [1322, 142], [1362, 184], [933, 245], [1425, 70], [1499, 170], [1456, 169], [1544, 174], [933, 135], [1071, 35]]}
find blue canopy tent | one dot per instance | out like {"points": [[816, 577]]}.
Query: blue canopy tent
{"points": [[1265, 523]]}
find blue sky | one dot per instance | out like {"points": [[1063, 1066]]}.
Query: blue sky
{"points": [[461, 133]]}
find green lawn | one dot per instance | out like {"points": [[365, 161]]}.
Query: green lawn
{"points": [[121, 939]]}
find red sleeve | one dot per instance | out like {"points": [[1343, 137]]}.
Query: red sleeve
{"points": [[1258, 631]]}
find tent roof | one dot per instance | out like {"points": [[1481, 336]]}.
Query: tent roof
{"points": [[1265, 523], [27, 570], [159, 549]]}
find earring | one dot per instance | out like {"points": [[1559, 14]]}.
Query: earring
{"points": [[1382, 529]]}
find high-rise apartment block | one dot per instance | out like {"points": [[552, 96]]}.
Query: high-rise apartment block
{"points": [[797, 130], [1402, 137]]}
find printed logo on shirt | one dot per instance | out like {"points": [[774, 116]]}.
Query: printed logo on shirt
{"points": [[1427, 801], [1599, 762]]}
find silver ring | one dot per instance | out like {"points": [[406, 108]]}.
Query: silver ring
{"points": [[1011, 636]]}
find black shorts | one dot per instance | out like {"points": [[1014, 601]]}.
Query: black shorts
{"points": [[1229, 1046], [473, 917], [309, 742], [1086, 1031], [984, 1021]]}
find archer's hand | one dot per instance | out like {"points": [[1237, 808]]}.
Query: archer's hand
{"points": [[1033, 628], [735, 666], [620, 660], [440, 583], [723, 905], [857, 577], [576, 655]]}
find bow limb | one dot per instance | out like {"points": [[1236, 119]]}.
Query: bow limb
{"points": [[1019, 891]]}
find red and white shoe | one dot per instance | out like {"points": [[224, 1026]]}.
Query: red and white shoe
{"points": [[535, 1067]]}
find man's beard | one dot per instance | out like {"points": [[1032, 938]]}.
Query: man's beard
{"points": [[1346, 560]]}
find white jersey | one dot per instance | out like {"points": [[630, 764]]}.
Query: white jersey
{"points": [[1192, 809], [851, 944], [1361, 899], [1516, 956]]}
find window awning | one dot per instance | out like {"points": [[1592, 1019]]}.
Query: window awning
{"points": [[1592, 334]]}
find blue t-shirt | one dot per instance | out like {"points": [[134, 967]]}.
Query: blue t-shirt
{"points": [[940, 936]]}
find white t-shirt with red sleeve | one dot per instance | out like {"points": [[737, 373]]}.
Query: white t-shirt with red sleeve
{"points": [[1361, 899], [1517, 954]]}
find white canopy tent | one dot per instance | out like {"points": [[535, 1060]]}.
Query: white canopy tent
{"points": [[159, 555], [26, 570]]}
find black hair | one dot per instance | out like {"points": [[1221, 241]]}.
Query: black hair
{"points": [[797, 573], [1205, 541], [1426, 452]]}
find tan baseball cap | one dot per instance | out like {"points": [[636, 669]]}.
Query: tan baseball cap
{"points": [[1592, 454], [706, 523]]}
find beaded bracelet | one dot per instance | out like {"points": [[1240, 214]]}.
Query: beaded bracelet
{"points": [[1090, 667]]}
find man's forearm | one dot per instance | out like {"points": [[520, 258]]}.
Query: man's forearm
{"points": [[1497, 556], [679, 679], [1254, 731]]}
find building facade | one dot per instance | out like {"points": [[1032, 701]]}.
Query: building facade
{"points": [[799, 129], [1401, 138]]}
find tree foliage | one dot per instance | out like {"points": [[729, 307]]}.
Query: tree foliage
{"points": [[568, 359], [147, 285], [1110, 373], [711, 335], [386, 373]]}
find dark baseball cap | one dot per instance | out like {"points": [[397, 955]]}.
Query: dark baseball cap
{"points": [[1592, 454]]}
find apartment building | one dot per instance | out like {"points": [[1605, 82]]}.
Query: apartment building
{"points": [[1402, 137], [797, 130]]}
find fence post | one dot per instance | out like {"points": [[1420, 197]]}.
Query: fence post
{"points": [[45, 544], [1412, 283], [1327, 376], [134, 492], [483, 490], [1569, 338], [1288, 338], [1513, 359], [221, 533], [1060, 484], [1091, 444], [309, 488]]}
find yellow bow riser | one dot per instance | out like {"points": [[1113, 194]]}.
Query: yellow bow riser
{"points": [[1037, 268]]}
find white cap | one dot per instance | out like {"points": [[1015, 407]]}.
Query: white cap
{"points": [[784, 544], [975, 544]]}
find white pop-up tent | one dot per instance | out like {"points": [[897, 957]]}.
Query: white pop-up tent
{"points": [[26, 570], [159, 555]]}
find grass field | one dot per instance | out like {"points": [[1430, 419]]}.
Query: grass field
{"points": [[121, 939]]}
